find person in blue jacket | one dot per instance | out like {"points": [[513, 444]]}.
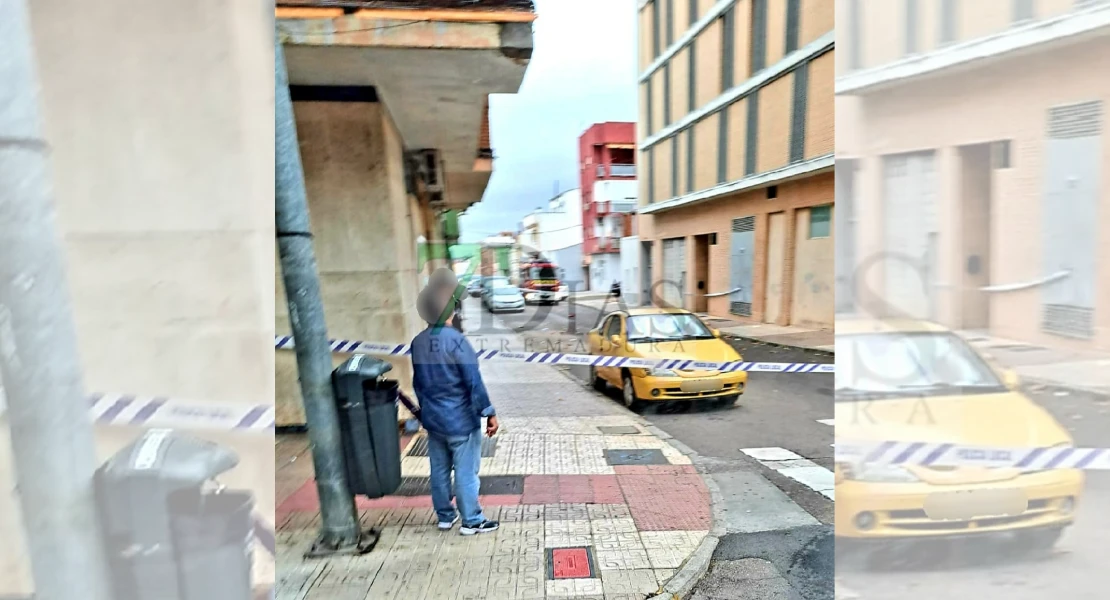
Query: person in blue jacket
{"points": [[453, 402]]}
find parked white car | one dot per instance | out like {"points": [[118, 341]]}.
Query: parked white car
{"points": [[503, 299]]}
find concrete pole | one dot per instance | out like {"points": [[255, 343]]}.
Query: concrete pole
{"points": [[339, 530], [51, 433]]}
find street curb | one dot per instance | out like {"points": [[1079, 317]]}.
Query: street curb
{"points": [[697, 564], [777, 344], [1067, 387]]}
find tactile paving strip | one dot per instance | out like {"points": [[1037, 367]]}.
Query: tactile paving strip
{"points": [[618, 430], [419, 447], [500, 485]]}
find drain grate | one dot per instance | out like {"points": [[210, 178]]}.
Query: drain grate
{"points": [[618, 430], [499, 485], [635, 457], [419, 447]]}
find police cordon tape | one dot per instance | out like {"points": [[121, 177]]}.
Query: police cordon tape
{"points": [[559, 358], [153, 411], [933, 454]]}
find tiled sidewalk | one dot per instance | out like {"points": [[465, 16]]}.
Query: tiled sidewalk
{"points": [[575, 522]]}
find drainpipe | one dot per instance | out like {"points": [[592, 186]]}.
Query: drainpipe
{"points": [[51, 433], [339, 530]]}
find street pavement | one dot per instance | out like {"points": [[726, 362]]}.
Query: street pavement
{"points": [[593, 505], [770, 457]]}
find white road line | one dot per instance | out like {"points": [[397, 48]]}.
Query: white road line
{"points": [[828, 422], [802, 470]]}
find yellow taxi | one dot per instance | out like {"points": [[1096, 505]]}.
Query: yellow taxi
{"points": [[912, 381], [663, 333]]}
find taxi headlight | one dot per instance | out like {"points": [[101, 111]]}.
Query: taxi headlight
{"points": [[881, 474], [662, 373]]}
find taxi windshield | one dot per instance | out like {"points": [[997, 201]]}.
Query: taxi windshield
{"points": [[667, 327], [892, 365]]}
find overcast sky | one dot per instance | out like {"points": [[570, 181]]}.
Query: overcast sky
{"points": [[583, 71]]}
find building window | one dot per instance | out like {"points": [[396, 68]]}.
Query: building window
{"points": [[798, 121], [650, 109], [692, 80], [948, 22], [666, 94], [1000, 154], [759, 35], [1023, 10], [751, 140], [855, 35], [655, 29], [793, 16], [911, 23], [728, 48], [649, 158], [713, 239], [820, 221], [670, 23], [772, 192], [693, 11], [722, 145], [676, 191], [690, 159]]}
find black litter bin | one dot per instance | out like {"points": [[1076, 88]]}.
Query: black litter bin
{"points": [[162, 522], [368, 425], [212, 530]]}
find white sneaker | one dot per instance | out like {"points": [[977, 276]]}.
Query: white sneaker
{"points": [[444, 526]]}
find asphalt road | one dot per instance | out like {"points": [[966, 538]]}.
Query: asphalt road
{"points": [[778, 410], [1076, 570]]}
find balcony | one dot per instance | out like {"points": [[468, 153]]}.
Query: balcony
{"points": [[617, 171], [608, 244]]}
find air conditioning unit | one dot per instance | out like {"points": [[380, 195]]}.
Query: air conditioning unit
{"points": [[425, 175]]}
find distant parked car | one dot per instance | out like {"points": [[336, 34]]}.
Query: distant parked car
{"points": [[474, 288], [503, 299]]}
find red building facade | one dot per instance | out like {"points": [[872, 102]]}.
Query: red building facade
{"points": [[606, 151]]}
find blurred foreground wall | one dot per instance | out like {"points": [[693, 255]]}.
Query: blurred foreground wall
{"points": [[160, 118]]}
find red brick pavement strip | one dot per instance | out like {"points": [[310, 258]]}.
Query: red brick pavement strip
{"points": [[667, 502]]}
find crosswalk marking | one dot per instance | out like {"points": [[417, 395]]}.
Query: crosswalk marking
{"points": [[796, 467]]}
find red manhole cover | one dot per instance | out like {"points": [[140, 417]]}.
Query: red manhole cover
{"points": [[570, 563]]}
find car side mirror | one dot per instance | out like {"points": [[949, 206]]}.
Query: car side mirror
{"points": [[616, 339], [716, 332], [1011, 379]]}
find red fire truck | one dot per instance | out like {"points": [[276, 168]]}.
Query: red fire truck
{"points": [[539, 281]]}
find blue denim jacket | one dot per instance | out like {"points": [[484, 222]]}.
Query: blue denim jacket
{"points": [[447, 382]]}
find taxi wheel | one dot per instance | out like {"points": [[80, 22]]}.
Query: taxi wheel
{"points": [[599, 384], [628, 394]]}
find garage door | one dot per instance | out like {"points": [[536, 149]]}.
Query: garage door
{"points": [[910, 228], [674, 272], [1073, 162]]}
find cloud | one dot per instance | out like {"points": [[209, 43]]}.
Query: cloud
{"points": [[583, 71]]}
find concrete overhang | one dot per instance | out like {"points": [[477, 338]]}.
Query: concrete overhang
{"points": [[1074, 27], [433, 70]]}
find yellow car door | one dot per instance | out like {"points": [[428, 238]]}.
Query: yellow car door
{"points": [[614, 329]]}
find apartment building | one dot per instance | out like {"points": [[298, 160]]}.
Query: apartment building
{"points": [[607, 171], [970, 152], [736, 158]]}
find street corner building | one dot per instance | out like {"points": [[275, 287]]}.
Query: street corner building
{"points": [[391, 101], [971, 155], [736, 159]]}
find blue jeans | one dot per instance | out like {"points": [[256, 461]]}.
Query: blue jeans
{"points": [[463, 455]]}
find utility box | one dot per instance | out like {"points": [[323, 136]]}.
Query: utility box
{"points": [[368, 425], [171, 531]]}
